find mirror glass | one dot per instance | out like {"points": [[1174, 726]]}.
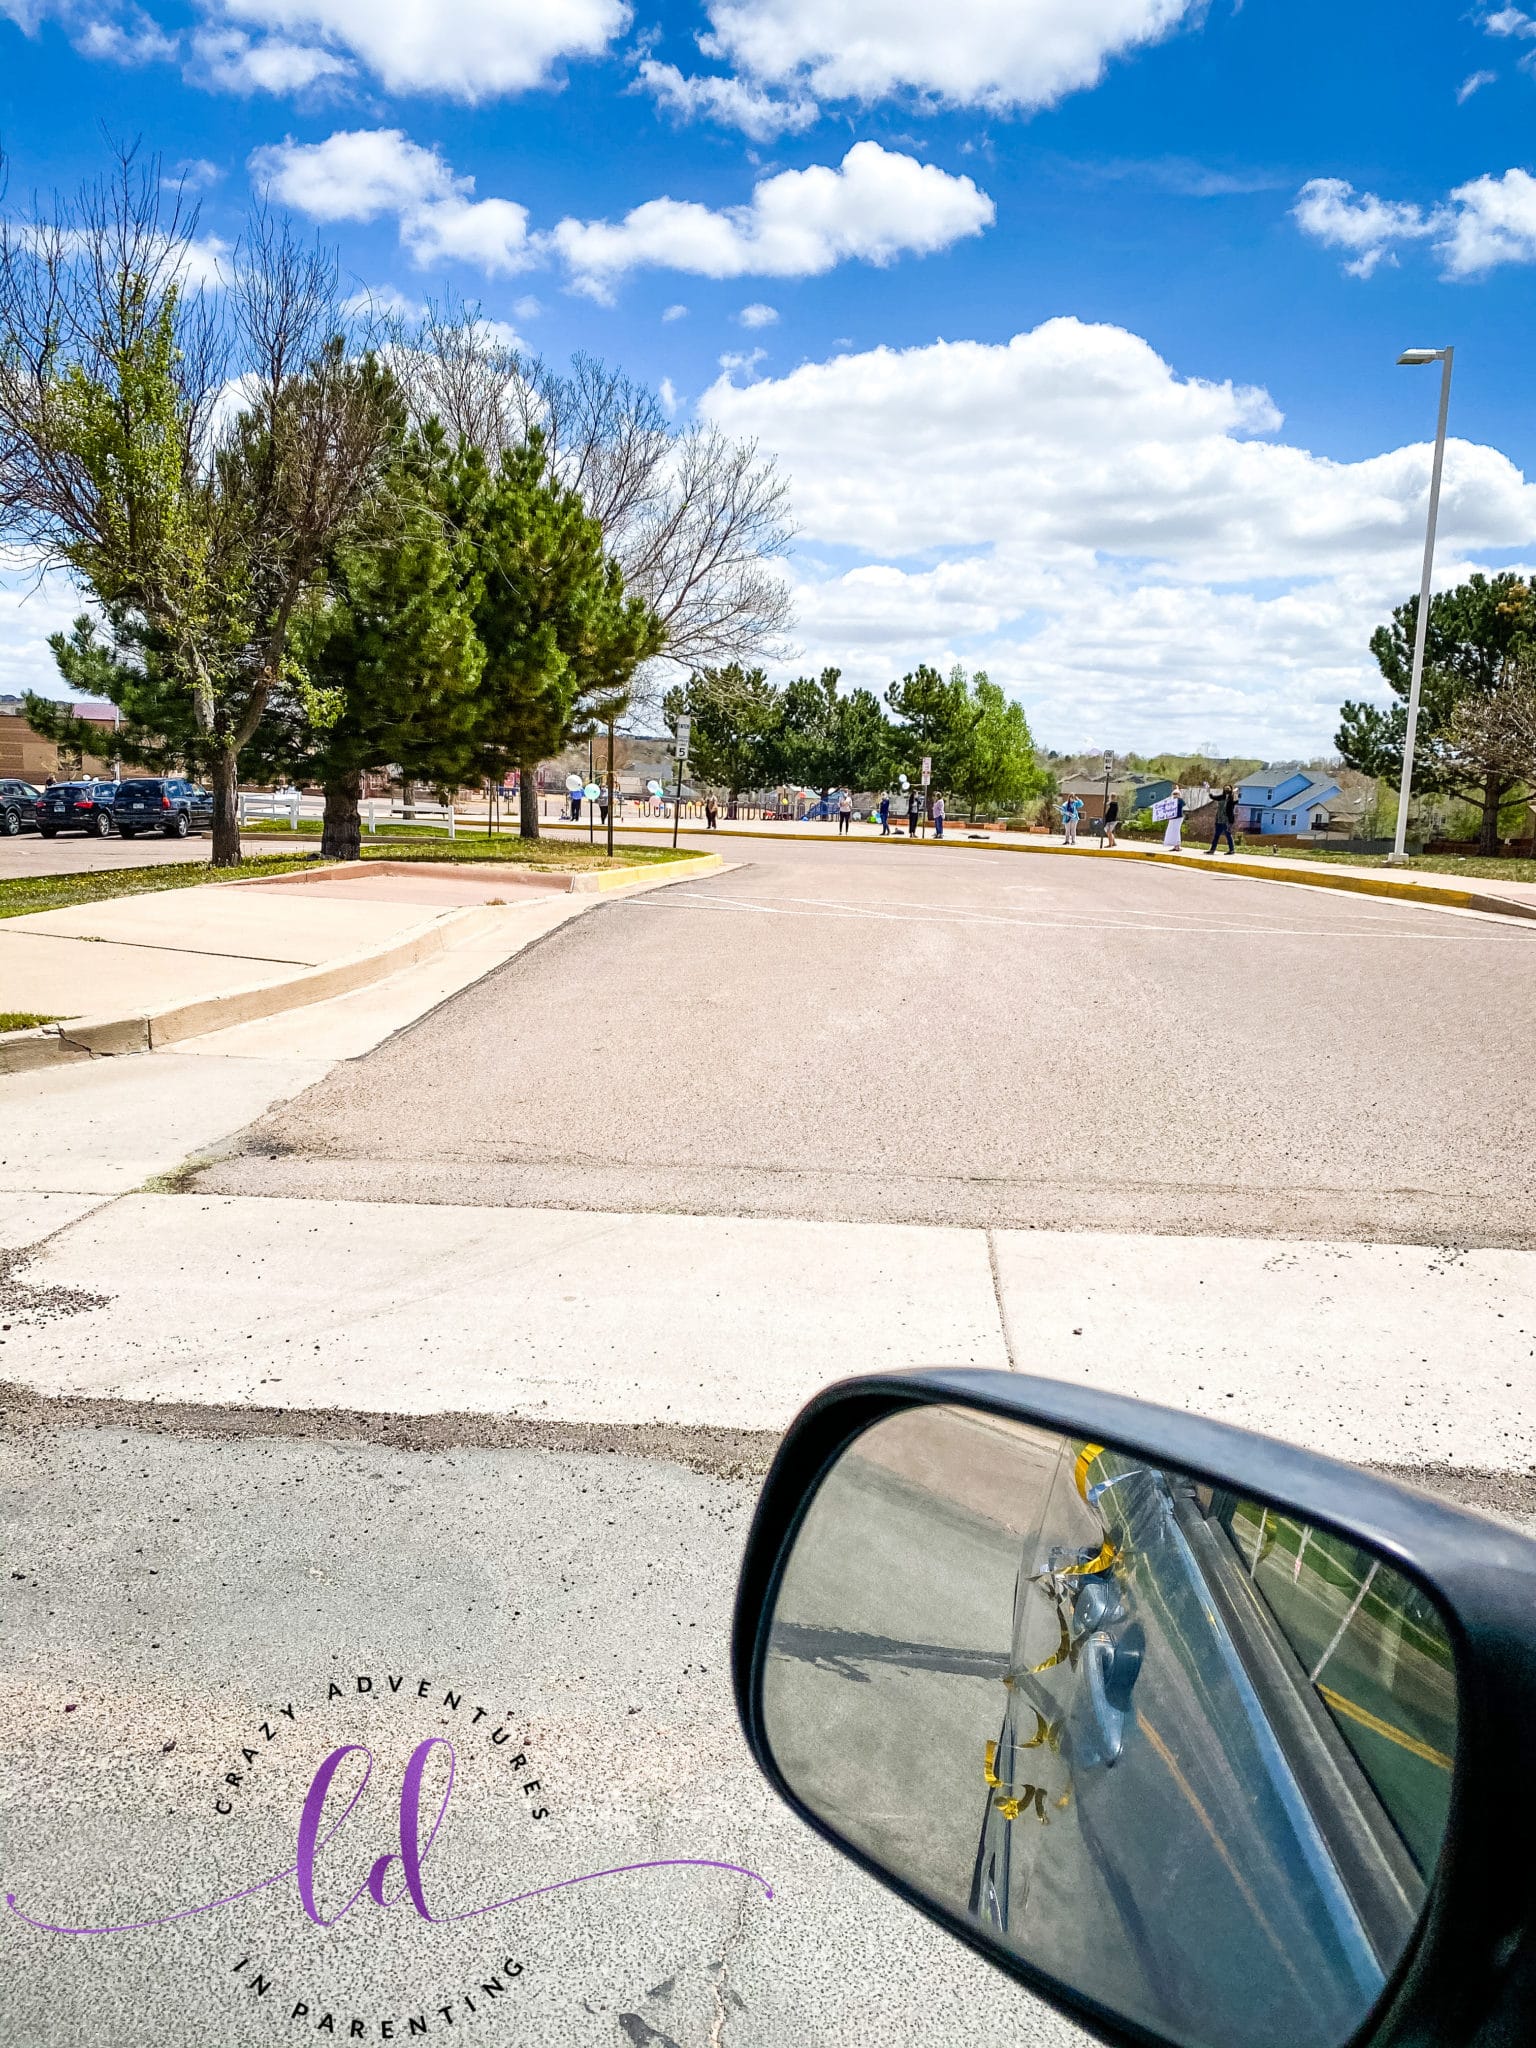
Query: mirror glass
{"points": [[1165, 1744]]}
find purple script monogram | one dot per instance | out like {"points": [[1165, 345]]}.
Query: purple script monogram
{"points": [[314, 1837]]}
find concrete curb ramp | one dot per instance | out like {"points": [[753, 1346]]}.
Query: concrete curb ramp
{"points": [[110, 1034]]}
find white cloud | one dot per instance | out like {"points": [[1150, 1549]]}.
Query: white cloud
{"points": [[490, 234], [986, 53], [228, 60], [527, 307], [131, 42], [876, 205], [1474, 82], [1494, 222], [360, 174], [29, 611], [1509, 21], [115, 34], [384, 302], [1486, 222], [355, 174], [758, 114], [675, 313], [205, 262], [1331, 211], [474, 51], [666, 391], [758, 315], [1149, 559], [743, 360]]}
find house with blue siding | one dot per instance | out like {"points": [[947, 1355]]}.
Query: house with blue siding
{"points": [[1285, 800]]}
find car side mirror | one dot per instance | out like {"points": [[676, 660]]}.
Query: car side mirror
{"points": [[1207, 1739]]}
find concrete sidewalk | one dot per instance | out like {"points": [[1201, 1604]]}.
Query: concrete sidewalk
{"points": [[1388, 1354]]}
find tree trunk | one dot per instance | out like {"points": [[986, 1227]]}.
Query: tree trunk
{"points": [[528, 799], [226, 808], [408, 800], [1488, 837], [341, 837]]}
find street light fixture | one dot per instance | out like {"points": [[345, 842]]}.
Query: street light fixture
{"points": [[1413, 357]]}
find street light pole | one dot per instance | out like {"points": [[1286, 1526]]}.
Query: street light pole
{"points": [[1415, 356]]}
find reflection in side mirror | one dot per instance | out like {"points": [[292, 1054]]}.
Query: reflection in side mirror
{"points": [[1170, 1748]]}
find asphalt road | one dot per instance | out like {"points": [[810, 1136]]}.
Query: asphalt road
{"points": [[165, 1598], [871, 1032]]}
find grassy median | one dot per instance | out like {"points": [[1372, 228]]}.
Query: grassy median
{"points": [[20, 894]]}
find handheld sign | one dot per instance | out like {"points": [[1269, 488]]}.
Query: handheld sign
{"points": [[1168, 808]]}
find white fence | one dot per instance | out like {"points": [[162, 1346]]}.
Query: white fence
{"points": [[289, 807]]}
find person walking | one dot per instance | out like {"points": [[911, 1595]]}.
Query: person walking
{"points": [[913, 806], [1226, 811], [1173, 836], [844, 812], [603, 799], [1111, 823], [938, 817], [711, 814], [885, 815]]}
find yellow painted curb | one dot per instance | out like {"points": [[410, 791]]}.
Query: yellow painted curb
{"points": [[606, 881]]}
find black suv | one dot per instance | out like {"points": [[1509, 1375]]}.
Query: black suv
{"points": [[18, 806], [162, 803], [76, 807]]}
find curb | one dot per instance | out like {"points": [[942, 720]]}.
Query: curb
{"points": [[107, 1036], [1443, 896]]}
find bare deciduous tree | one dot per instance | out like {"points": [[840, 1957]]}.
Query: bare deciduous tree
{"points": [[188, 449], [693, 518]]}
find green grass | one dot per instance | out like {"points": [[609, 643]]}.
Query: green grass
{"points": [[25, 1020], [1478, 867], [20, 894]]}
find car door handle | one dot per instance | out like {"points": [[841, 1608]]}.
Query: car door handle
{"points": [[1110, 1668]]}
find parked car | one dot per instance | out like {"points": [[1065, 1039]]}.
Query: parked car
{"points": [[162, 803], [76, 807], [18, 806]]}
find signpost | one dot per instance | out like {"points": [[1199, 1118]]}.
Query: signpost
{"points": [[1109, 769], [680, 739], [927, 779]]}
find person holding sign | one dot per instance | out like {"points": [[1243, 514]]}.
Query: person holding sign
{"points": [[1172, 809]]}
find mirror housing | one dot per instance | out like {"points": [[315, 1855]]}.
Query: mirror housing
{"points": [[1467, 1975]]}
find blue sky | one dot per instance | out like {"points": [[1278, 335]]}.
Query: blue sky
{"points": [[1170, 513]]}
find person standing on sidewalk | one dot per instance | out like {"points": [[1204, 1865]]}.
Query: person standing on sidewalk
{"points": [[1071, 811], [844, 812], [885, 815], [1226, 811], [913, 807], [711, 814], [1173, 836], [1111, 823], [938, 817]]}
